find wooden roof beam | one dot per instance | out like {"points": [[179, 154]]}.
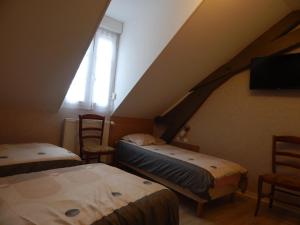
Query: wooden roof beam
{"points": [[279, 39]]}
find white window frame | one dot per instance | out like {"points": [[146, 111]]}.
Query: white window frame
{"points": [[113, 26]]}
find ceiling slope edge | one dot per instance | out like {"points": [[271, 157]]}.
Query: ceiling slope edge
{"points": [[42, 44], [211, 37]]}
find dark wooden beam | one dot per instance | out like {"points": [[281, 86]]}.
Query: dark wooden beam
{"points": [[277, 40]]}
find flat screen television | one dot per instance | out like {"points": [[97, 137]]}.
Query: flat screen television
{"points": [[275, 72]]}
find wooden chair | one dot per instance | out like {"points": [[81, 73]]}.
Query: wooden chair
{"points": [[284, 182], [91, 129]]}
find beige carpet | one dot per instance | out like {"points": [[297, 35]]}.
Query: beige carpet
{"points": [[239, 212]]}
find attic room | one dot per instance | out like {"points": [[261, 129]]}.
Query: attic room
{"points": [[150, 112]]}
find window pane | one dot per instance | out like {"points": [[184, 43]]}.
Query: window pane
{"points": [[103, 69], [93, 83], [77, 89]]}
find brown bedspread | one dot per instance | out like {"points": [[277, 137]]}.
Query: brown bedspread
{"points": [[94, 194], [33, 157]]}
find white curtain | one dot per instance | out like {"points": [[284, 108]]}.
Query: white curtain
{"points": [[93, 85]]}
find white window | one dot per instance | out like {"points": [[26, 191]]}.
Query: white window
{"points": [[93, 84]]}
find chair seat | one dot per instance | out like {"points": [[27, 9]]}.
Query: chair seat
{"points": [[93, 147], [283, 180]]}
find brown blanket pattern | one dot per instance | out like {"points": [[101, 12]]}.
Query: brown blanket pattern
{"points": [[33, 157], [94, 194]]}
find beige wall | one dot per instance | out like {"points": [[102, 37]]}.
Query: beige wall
{"points": [[237, 124], [42, 44], [33, 126]]}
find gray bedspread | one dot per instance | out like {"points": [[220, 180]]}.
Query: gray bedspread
{"points": [[186, 175]]}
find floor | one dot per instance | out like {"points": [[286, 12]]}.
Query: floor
{"points": [[238, 212]]}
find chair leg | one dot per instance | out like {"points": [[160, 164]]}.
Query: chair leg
{"points": [[259, 194], [87, 158], [99, 158], [232, 197], [272, 196], [200, 208]]}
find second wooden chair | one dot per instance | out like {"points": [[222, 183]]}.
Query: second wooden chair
{"points": [[287, 182]]}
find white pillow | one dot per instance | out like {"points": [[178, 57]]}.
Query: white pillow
{"points": [[140, 139]]}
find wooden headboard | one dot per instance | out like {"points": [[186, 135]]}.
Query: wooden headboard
{"points": [[187, 146], [122, 126]]}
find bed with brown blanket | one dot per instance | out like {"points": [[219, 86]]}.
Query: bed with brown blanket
{"points": [[93, 194], [198, 176], [33, 157]]}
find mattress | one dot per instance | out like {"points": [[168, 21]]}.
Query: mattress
{"points": [[95, 194], [197, 172], [32, 157]]}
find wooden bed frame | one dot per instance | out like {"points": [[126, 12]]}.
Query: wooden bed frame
{"points": [[124, 125], [200, 201], [177, 188]]}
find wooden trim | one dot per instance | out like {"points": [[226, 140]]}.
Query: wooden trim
{"points": [[279, 39], [193, 148], [200, 209], [166, 183], [287, 192], [286, 202], [200, 201], [176, 188], [82, 129], [285, 153], [91, 128], [287, 164], [92, 117], [287, 139], [273, 154], [90, 136], [291, 154]]}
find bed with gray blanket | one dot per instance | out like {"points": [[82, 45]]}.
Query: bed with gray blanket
{"points": [[33, 157], [205, 176], [93, 194]]}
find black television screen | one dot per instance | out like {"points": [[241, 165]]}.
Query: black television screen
{"points": [[275, 72]]}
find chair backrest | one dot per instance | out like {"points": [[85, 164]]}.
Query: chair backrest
{"points": [[286, 155], [91, 126]]}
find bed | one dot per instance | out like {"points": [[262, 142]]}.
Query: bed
{"points": [[91, 194], [198, 176], [32, 157]]}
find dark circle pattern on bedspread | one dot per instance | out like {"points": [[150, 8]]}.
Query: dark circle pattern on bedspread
{"points": [[72, 212], [147, 182], [116, 194]]}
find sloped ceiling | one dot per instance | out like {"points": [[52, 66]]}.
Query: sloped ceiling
{"points": [[42, 44], [215, 33], [293, 4], [148, 28]]}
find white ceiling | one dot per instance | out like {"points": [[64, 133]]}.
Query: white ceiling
{"points": [[148, 28], [215, 33], [120, 9]]}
